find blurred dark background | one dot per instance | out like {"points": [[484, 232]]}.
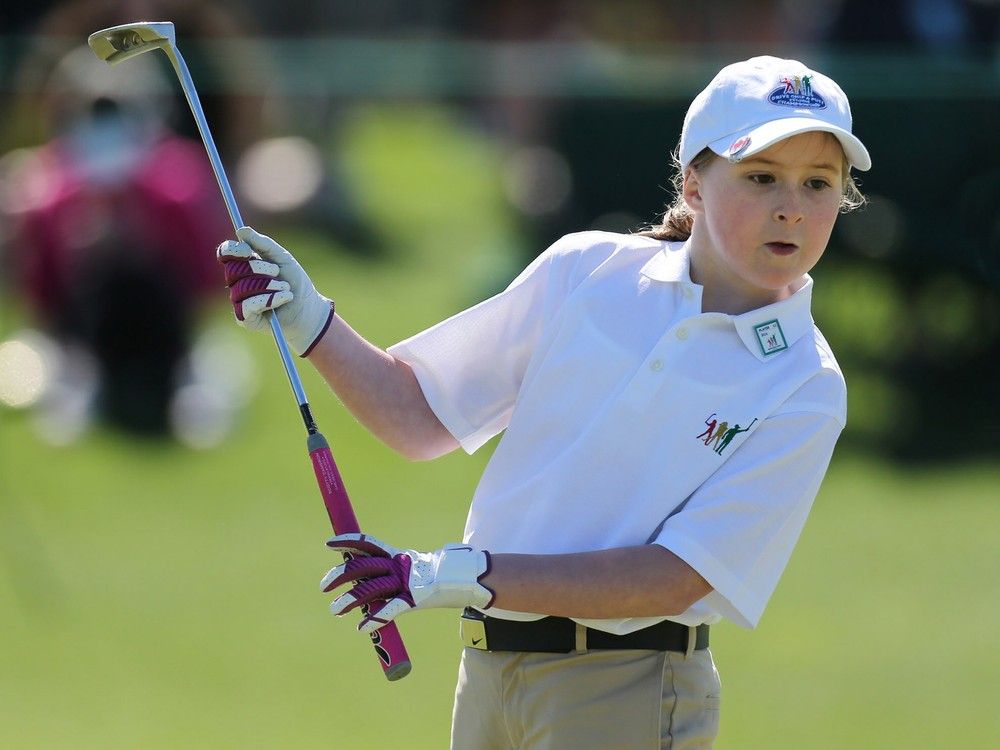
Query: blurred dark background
{"points": [[583, 102]]}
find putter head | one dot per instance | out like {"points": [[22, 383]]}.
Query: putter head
{"points": [[118, 43]]}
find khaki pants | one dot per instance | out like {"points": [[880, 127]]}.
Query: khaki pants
{"points": [[605, 700]]}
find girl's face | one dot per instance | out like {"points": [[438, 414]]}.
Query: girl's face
{"points": [[762, 223]]}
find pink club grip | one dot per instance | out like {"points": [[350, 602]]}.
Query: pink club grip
{"points": [[386, 640]]}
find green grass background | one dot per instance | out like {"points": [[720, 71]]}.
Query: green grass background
{"points": [[157, 597]]}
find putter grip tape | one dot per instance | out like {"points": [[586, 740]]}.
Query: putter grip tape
{"points": [[386, 640]]}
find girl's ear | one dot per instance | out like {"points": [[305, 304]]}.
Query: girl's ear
{"points": [[692, 190]]}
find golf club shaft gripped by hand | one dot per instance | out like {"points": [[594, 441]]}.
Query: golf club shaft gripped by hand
{"points": [[264, 278], [120, 43]]}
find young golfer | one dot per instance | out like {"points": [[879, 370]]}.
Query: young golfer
{"points": [[610, 528]]}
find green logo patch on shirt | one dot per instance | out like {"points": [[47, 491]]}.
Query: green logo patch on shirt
{"points": [[770, 337]]}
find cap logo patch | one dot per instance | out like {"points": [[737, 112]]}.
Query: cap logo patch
{"points": [[770, 337], [797, 91], [737, 147]]}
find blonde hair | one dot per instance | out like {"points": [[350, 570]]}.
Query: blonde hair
{"points": [[678, 218]]}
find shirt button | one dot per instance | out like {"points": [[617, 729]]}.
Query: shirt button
{"points": [[656, 365], [682, 333]]}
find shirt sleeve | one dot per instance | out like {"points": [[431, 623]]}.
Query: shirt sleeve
{"points": [[470, 366], [738, 529]]}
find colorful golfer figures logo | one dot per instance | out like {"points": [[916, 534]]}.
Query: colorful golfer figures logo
{"points": [[720, 433], [797, 91], [797, 85]]}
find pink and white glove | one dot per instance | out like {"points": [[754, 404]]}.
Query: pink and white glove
{"points": [[405, 578], [261, 276]]}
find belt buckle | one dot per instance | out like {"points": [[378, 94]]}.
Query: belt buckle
{"points": [[474, 633]]}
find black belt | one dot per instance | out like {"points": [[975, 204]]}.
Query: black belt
{"points": [[559, 635]]}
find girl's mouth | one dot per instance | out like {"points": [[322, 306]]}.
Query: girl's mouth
{"points": [[782, 248]]}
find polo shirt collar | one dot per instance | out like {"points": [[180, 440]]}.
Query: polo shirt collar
{"points": [[770, 330], [766, 331], [672, 263]]}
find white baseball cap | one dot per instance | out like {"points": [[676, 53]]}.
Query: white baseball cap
{"points": [[753, 104]]}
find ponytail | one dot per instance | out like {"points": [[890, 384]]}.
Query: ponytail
{"points": [[678, 218]]}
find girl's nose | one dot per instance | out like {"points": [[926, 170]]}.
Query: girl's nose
{"points": [[789, 209]]}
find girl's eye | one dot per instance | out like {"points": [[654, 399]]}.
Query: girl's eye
{"points": [[816, 183]]}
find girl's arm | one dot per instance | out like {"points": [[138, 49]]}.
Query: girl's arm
{"points": [[643, 581], [381, 392]]}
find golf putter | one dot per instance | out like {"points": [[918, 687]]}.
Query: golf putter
{"points": [[119, 43]]}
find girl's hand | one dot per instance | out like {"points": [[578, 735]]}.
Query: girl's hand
{"points": [[262, 276], [405, 578]]}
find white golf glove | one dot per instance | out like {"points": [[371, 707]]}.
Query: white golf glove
{"points": [[405, 579], [261, 276]]}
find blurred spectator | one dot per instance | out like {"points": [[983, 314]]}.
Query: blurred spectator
{"points": [[88, 212], [112, 221]]}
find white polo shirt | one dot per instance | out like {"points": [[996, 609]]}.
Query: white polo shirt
{"points": [[632, 417]]}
